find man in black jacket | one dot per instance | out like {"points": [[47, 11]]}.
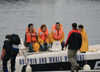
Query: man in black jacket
{"points": [[74, 41], [9, 52]]}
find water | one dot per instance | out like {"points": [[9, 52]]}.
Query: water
{"points": [[15, 16]]}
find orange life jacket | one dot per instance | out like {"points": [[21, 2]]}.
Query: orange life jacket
{"points": [[30, 37], [43, 35], [57, 36]]}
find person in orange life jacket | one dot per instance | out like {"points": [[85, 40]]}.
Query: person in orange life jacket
{"points": [[74, 41], [43, 37], [30, 37], [84, 46], [9, 53], [57, 34]]}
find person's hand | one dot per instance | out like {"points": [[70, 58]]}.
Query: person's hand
{"points": [[2, 56], [65, 48], [79, 50], [44, 42], [32, 43]]}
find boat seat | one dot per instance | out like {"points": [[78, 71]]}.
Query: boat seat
{"points": [[56, 46]]}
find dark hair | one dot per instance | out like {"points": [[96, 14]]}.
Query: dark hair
{"points": [[81, 26], [43, 26], [58, 23], [7, 36], [30, 25], [74, 25]]}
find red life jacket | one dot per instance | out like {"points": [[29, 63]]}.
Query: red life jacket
{"points": [[43, 35], [57, 36], [30, 37]]}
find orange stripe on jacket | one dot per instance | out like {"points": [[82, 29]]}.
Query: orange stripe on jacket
{"points": [[72, 31]]}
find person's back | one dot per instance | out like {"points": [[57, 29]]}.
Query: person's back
{"points": [[7, 46], [74, 40]]}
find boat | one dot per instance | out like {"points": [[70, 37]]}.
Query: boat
{"points": [[55, 59]]}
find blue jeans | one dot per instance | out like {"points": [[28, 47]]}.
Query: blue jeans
{"points": [[45, 46], [30, 47]]}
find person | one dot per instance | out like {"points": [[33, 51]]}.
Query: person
{"points": [[31, 39], [84, 46], [10, 51], [43, 37], [74, 41], [57, 34]]}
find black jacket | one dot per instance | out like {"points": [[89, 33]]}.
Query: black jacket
{"points": [[74, 40], [7, 46]]}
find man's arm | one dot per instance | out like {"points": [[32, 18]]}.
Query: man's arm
{"points": [[3, 51], [68, 39], [47, 40], [39, 39], [83, 35], [63, 37], [51, 37]]}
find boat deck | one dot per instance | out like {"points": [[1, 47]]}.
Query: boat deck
{"points": [[70, 71]]}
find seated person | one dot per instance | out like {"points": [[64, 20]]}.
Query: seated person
{"points": [[57, 34], [43, 37], [84, 46], [31, 39]]}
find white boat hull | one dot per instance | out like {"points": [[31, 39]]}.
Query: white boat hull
{"points": [[53, 61]]}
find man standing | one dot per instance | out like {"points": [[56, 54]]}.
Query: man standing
{"points": [[84, 46], [57, 34], [74, 41], [10, 51]]}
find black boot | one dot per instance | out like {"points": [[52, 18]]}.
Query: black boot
{"points": [[77, 69], [72, 71]]}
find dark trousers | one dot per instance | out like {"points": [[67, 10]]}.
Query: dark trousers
{"points": [[11, 56], [30, 47], [62, 44]]}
